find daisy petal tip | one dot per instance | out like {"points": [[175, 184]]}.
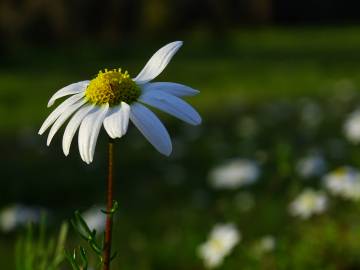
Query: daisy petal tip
{"points": [[41, 130], [114, 135], [85, 160], [196, 92], [198, 122], [193, 91], [166, 151], [179, 43], [66, 150]]}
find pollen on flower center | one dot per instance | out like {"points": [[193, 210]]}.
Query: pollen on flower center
{"points": [[112, 87]]}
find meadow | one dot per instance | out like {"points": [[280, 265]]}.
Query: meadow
{"points": [[271, 95]]}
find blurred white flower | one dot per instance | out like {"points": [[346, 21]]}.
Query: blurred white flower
{"points": [[309, 203], [223, 238], [18, 215], [344, 182], [95, 219], [311, 113], [352, 127], [234, 174], [265, 245], [311, 166]]}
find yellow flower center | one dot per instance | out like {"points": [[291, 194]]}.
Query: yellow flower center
{"points": [[309, 201], [112, 87], [340, 172], [217, 245]]}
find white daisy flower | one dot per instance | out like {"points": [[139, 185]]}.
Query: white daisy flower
{"points": [[311, 113], [352, 127], [18, 215], [94, 218], [223, 238], [234, 174], [313, 165], [264, 245], [112, 98], [344, 182], [309, 203]]}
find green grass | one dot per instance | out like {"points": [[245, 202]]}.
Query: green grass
{"points": [[245, 66]]}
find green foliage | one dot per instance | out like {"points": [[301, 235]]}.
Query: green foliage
{"points": [[325, 243], [250, 66], [35, 251], [78, 259]]}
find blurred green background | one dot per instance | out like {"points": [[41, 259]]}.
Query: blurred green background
{"points": [[261, 60]]}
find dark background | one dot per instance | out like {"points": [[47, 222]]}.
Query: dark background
{"points": [[71, 21]]}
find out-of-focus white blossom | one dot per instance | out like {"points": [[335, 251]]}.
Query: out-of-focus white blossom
{"points": [[311, 113], [95, 219], [264, 245], [234, 174], [352, 127], [344, 182], [18, 215], [309, 203], [345, 90], [313, 165], [223, 238]]}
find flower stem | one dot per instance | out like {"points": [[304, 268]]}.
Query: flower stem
{"points": [[109, 215]]}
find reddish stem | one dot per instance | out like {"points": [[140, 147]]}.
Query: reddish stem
{"points": [[108, 228]]}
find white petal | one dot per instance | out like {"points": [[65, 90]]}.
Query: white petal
{"points": [[96, 130], [174, 89], [85, 133], [172, 105], [151, 127], [125, 117], [72, 126], [117, 120], [68, 90], [58, 111], [89, 131], [112, 122], [63, 117], [158, 62]]}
